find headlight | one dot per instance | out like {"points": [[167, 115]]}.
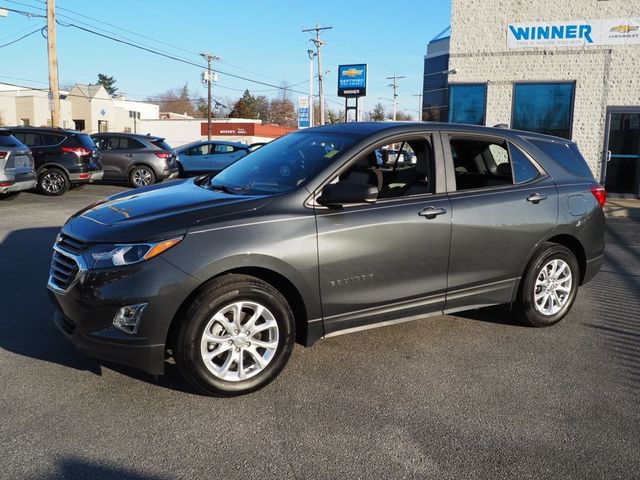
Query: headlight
{"points": [[107, 256]]}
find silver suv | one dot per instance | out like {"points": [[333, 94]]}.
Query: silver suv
{"points": [[16, 166]]}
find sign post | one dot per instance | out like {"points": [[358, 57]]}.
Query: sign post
{"points": [[304, 118]]}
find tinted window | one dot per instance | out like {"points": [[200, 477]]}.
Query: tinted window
{"points": [[285, 163], [480, 163], [85, 140], [467, 104], [124, 143], [223, 149], [29, 139], [566, 154], [160, 143], [543, 108], [50, 139], [523, 169], [199, 150], [7, 140]]}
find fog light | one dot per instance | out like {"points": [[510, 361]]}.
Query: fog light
{"points": [[128, 318]]}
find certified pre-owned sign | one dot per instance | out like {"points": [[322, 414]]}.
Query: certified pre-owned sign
{"points": [[574, 33]]}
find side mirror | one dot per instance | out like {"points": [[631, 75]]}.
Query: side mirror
{"points": [[346, 193]]}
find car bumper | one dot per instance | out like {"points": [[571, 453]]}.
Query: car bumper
{"points": [[19, 186], [170, 173], [86, 310], [592, 267], [86, 177]]}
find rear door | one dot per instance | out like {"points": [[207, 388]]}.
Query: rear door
{"points": [[502, 204]]}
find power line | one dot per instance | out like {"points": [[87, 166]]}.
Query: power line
{"points": [[39, 29]]}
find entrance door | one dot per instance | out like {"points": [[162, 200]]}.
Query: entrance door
{"points": [[622, 169]]}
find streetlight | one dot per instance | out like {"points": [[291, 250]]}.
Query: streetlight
{"points": [[209, 58], [312, 55]]}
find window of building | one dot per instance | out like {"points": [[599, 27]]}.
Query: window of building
{"points": [[467, 103], [543, 108], [79, 125]]}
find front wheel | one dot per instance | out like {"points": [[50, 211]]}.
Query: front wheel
{"points": [[549, 286], [235, 337], [141, 176]]}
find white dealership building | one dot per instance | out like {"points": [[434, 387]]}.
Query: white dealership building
{"points": [[568, 68]]}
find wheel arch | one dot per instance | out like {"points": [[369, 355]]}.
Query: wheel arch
{"points": [[272, 277], [52, 165]]}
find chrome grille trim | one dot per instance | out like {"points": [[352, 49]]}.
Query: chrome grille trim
{"points": [[65, 270]]}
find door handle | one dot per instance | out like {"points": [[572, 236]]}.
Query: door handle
{"points": [[432, 212], [608, 156], [536, 198]]}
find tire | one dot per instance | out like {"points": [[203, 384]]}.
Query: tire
{"points": [[6, 197], [212, 315], [53, 182], [142, 176], [180, 170], [542, 304]]}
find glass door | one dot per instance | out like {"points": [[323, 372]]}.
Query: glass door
{"points": [[622, 168]]}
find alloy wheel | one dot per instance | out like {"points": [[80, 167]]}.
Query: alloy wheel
{"points": [[53, 182], [553, 287], [142, 177], [239, 341]]}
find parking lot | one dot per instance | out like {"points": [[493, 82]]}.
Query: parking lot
{"points": [[468, 396]]}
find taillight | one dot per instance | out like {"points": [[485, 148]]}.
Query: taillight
{"points": [[600, 193], [79, 151], [164, 155], [3, 154]]}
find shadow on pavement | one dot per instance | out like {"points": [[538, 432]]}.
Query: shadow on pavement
{"points": [[499, 314], [616, 291], [78, 468]]}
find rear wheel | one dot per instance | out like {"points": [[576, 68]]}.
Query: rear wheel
{"points": [[549, 286], [141, 176], [236, 336], [53, 182]]}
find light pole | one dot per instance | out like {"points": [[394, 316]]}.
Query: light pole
{"points": [[394, 85], [312, 55], [419, 95], [209, 58], [318, 43]]}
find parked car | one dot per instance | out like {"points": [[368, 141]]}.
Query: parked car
{"points": [[17, 170], [209, 157], [140, 160], [63, 158], [308, 237]]}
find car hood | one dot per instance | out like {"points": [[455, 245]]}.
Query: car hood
{"points": [[156, 212]]}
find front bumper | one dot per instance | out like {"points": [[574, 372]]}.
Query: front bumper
{"points": [[19, 186], [85, 311]]}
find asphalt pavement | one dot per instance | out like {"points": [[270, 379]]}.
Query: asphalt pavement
{"points": [[473, 395]]}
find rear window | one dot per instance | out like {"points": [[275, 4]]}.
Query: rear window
{"points": [[160, 143], [567, 155], [85, 140], [8, 140]]}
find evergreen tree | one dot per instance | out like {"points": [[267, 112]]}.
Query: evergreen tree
{"points": [[108, 83]]}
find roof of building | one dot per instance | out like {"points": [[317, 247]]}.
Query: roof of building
{"points": [[88, 90]]}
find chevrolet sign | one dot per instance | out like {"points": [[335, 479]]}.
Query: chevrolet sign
{"points": [[352, 80]]}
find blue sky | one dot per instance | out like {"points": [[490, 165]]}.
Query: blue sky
{"points": [[257, 39]]}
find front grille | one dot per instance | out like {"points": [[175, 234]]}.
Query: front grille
{"points": [[64, 270], [71, 244]]}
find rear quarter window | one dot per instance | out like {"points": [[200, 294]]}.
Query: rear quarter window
{"points": [[566, 154], [162, 144], [85, 140], [51, 139]]}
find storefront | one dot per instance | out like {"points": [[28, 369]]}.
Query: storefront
{"points": [[565, 68]]}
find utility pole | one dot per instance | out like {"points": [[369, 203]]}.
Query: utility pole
{"points": [[318, 43], [52, 48], [394, 85], [419, 95], [311, 55], [209, 58]]}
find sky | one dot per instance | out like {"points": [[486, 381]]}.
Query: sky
{"points": [[256, 39]]}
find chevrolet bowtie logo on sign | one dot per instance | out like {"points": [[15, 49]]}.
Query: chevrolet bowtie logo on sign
{"points": [[624, 28], [574, 33], [352, 72], [352, 80]]}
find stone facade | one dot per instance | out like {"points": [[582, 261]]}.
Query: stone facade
{"points": [[605, 75]]}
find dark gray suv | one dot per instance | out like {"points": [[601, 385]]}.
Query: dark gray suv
{"points": [[140, 160], [312, 236]]}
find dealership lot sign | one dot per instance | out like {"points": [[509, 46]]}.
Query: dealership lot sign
{"points": [[575, 33]]}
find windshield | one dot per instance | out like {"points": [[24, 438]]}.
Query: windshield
{"points": [[283, 164]]}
